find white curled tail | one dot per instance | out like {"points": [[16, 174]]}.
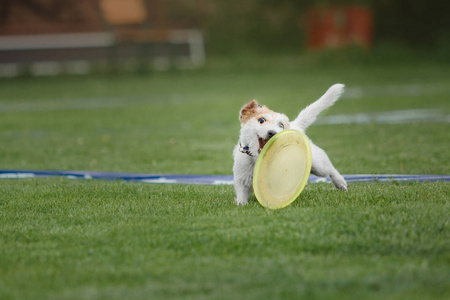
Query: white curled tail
{"points": [[308, 115]]}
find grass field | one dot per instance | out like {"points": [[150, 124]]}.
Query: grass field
{"points": [[63, 239]]}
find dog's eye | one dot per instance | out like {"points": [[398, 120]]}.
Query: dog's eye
{"points": [[261, 120], [281, 125]]}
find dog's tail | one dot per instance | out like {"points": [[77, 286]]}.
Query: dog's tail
{"points": [[308, 115]]}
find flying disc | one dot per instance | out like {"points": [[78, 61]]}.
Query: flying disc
{"points": [[282, 169]]}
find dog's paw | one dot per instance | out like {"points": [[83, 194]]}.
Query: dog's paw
{"points": [[240, 201], [339, 182], [343, 187]]}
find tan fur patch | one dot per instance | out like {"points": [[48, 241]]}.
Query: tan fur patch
{"points": [[254, 110]]}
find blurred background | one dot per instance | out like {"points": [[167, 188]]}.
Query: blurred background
{"points": [[155, 86], [45, 37]]}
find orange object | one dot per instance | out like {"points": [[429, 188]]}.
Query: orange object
{"points": [[339, 26], [121, 12]]}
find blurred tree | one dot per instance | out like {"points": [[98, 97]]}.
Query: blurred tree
{"points": [[48, 16], [253, 25], [412, 22]]}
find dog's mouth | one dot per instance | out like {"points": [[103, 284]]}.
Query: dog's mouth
{"points": [[262, 143]]}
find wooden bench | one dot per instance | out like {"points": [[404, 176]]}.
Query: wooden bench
{"points": [[128, 37]]}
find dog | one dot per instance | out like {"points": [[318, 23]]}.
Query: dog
{"points": [[259, 124]]}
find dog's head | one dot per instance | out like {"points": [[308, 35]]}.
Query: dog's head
{"points": [[258, 125]]}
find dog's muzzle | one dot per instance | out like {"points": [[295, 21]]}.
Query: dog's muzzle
{"points": [[263, 141]]}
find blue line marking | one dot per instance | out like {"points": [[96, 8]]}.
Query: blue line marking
{"points": [[202, 179]]}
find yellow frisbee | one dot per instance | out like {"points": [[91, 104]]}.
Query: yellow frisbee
{"points": [[282, 169]]}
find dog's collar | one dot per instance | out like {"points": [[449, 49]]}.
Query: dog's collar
{"points": [[245, 149]]}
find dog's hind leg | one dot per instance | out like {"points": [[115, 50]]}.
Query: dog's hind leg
{"points": [[322, 167]]}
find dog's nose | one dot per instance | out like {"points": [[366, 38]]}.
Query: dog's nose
{"points": [[270, 134]]}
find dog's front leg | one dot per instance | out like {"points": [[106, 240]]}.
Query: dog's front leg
{"points": [[243, 176], [242, 192]]}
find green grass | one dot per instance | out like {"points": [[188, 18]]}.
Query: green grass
{"points": [[63, 239], [115, 240]]}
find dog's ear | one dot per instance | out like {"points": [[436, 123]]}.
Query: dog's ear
{"points": [[248, 111]]}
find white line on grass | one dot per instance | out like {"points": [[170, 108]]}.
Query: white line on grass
{"points": [[396, 90], [387, 117], [159, 180], [174, 99], [91, 103], [16, 175], [203, 179]]}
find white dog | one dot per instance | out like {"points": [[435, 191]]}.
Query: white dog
{"points": [[259, 124]]}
